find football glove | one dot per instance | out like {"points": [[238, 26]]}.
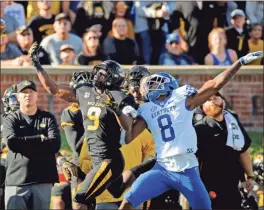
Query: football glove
{"points": [[68, 169], [111, 103], [250, 57], [34, 54]]}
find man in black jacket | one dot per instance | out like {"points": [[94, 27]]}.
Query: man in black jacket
{"points": [[33, 138]]}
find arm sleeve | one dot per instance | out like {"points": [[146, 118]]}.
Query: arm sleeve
{"points": [[70, 122]]}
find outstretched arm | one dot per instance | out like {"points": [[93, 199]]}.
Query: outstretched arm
{"points": [[48, 83], [213, 86]]}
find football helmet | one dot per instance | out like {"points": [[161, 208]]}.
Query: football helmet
{"points": [[115, 75], [9, 99], [159, 84], [80, 78], [134, 75]]}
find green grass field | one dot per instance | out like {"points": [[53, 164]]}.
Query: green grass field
{"points": [[256, 145]]}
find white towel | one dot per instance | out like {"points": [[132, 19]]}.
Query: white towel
{"points": [[235, 137]]}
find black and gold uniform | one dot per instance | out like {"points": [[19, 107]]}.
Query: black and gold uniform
{"points": [[102, 132]]}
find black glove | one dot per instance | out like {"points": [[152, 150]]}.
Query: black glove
{"points": [[112, 104], [34, 54]]}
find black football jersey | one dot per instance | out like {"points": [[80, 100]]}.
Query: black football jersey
{"points": [[102, 131]]}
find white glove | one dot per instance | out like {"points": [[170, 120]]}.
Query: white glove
{"points": [[250, 57], [129, 110]]}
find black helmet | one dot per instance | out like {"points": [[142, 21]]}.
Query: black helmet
{"points": [[135, 74], [79, 78], [9, 99], [115, 75]]}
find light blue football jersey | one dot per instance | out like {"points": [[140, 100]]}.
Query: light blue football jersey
{"points": [[170, 123]]}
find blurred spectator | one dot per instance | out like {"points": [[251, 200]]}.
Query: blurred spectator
{"points": [[174, 55], [237, 36], [151, 28], [120, 48], [17, 11], [67, 55], [11, 23], [92, 54], [158, 14], [254, 11], [255, 43], [223, 10], [32, 8], [142, 31], [121, 11], [91, 13], [25, 40], [196, 24], [10, 54], [42, 23], [219, 55], [97, 28], [52, 43], [24, 4]]}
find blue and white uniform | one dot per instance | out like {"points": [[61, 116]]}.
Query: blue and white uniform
{"points": [[170, 123]]}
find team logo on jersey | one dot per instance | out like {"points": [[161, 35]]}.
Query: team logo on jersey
{"points": [[154, 108], [42, 125], [86, 95]]}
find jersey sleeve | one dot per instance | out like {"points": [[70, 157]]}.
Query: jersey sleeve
{"points": [[185, 91], [72, 124]]}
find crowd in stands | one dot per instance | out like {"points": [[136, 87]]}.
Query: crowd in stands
{"points": [[131, 32]]}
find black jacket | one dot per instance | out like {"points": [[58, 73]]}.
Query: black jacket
{"points": [[219, 164], [29, 159]]}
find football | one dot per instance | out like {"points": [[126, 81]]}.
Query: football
{"points": [[2, 26]]}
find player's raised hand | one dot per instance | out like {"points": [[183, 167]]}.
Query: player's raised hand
{"points": [[111, 103], [251, 57], [34, 54]]}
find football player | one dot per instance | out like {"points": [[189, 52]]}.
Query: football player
{"points": [[134, 154], [168, 115], [11, 104], [167, 200], [102, 107]]}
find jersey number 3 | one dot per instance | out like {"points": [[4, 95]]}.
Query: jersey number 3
{"points": [[93, 114], [165, 123]]}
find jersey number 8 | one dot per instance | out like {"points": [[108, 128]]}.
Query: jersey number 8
{"points": [[165, 123], [93, 114]]}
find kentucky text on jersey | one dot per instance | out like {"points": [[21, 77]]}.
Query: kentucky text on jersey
{"points": [[163, 111]]}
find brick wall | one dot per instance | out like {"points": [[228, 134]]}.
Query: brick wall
{"points": [[244, 93]]}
